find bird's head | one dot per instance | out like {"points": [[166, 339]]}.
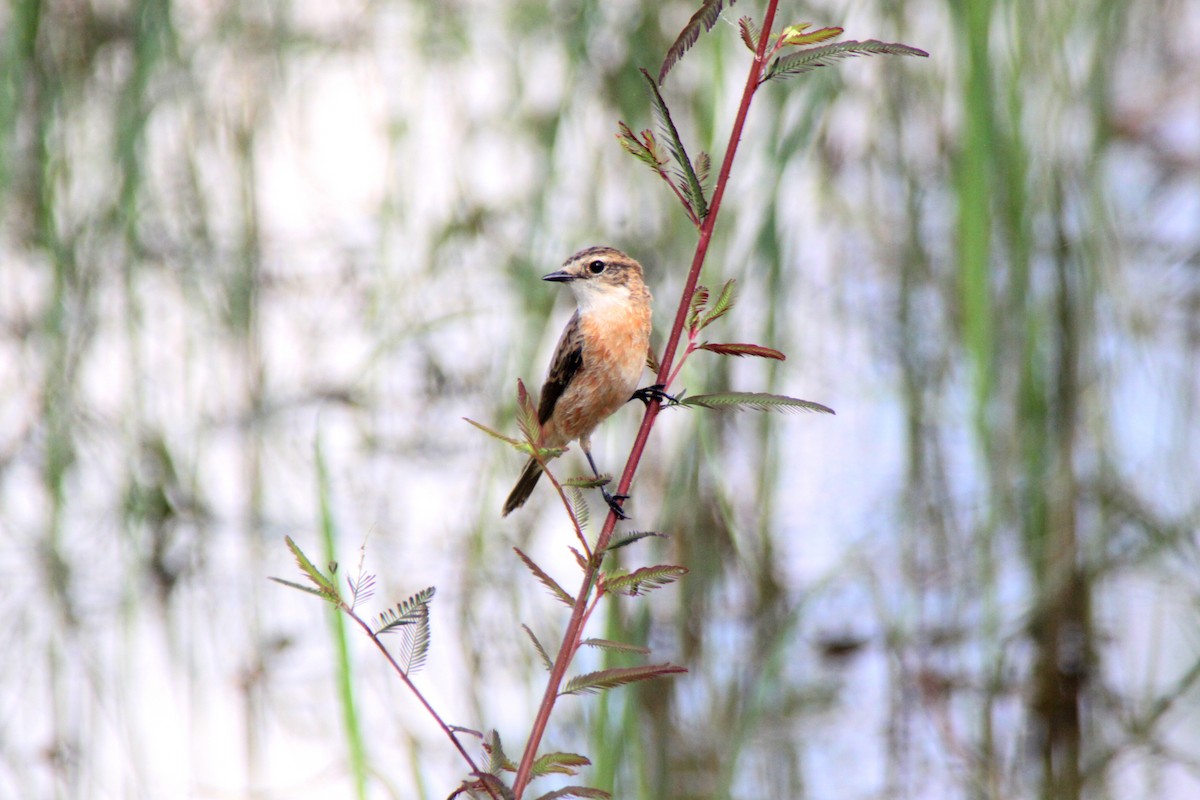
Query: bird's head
{"points": [[598, 276]]}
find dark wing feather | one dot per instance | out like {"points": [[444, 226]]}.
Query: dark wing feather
{"points": [[568, 360]]}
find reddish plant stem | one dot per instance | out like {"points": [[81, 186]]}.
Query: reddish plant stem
{"points": [[417, 693], [691, 212], [579, 613]]}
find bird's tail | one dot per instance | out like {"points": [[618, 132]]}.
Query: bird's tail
{"points": [[524, 488]]}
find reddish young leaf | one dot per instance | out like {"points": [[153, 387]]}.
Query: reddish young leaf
{"points": [[527, 418], [707, 17], [740, 350], [698, 302], [749, 33], [579, 559], [546, 580]]}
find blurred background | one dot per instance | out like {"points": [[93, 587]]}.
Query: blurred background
{"points": [[257, 259]]}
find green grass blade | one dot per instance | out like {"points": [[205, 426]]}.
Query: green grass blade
{"points": [[356, 750]]}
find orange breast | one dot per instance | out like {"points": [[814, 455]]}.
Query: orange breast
{"points": [[615, 342]]}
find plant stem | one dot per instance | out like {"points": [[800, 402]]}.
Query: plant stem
{"points": [[579, 613], [475, 771]]}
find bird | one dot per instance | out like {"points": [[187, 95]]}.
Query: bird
{"points": [[598, 361]]}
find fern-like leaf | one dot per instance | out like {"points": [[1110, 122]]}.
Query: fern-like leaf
{"points": [[705, 18], [594, 682], [517, 443], [643, 580], [816, 57], [579, 559], [484, 784], [723, 304], [576, 791], [326, 588], [642, 148], [558, 764], [547, 662], [703, 167], [527, 418], [498, 760], [626, 539], [579, 507], [414, 642], [406, 612], [749, 33], [690, 184], [546, 580], [362, 588], [696, 309], [759, 401], [588, 481], [739, 350], [620, 647], [301, 587]]}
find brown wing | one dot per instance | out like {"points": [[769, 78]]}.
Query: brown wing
{"points": [[568, 360]]}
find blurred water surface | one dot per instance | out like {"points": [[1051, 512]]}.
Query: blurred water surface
{"points": [[231, 231]]}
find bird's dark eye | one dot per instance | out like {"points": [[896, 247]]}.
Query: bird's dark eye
{"points": [[596, 267]]}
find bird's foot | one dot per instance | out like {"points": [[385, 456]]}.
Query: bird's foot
{"points": [[655, 392], [614, 502]]}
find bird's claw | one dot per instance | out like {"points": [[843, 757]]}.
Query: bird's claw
{"points": [[655, 392], [614, 502]]}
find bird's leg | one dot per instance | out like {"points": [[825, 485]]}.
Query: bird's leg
{"points": [[655, 392], [613, 500]]}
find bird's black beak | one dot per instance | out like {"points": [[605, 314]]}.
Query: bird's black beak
{"points": [[562, 276]]}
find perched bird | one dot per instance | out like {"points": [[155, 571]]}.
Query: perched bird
{"points": [[599, 358]]}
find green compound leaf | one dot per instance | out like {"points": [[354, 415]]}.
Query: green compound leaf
{"points": [[759, 401], [517, 443], [816, 57], [498, 760], [619, 647], [558, 764], [594, 682], [579, 507], [588, 481], [696, 307], [703, 167], [626, 539], [326, 588], [691, 188], [722, 306], [644, 149], [294, 585], [643, 580]]}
